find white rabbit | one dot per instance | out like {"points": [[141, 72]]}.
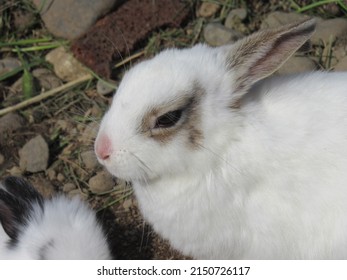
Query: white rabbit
{"points": [[226, 164], [38, 228]]}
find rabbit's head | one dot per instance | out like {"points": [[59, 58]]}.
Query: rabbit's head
{"points": [[177, 112], [38, 228]]}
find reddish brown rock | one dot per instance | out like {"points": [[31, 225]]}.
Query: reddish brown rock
{"points": [[117, 34]]}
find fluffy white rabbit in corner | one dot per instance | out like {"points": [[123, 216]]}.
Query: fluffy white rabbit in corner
{"points": [[227, 163], [36, 228]]}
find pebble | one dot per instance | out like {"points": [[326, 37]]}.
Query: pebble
{"points": [[23, 19], [70, 19], [10, 122], [15, 171], [46, 78], [101, 182], [216, 34], [89, 160], [51, 174], [127, 204], [66, 67], [77, 193], [105, 88], [8, 64], [68, 187], [2, 159], [297, 64], [208, 9], [276, 19], [341, 65], [235, 17], [329, 30], [60, 177], [33, 157]]}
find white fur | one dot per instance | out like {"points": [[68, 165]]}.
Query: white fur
{"points": [[269, 180], [66, 229]]}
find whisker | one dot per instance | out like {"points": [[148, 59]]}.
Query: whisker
{"points": [[220, 158]]}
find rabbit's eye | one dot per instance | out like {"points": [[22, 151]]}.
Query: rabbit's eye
{"points": [[169, 119]]}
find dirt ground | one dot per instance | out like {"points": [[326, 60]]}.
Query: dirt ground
{"points": [[67, 122]]}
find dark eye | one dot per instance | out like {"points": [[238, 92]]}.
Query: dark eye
{"points": [[169, 119]]}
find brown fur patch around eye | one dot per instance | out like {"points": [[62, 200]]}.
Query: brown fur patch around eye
{"points": [[189, 125]]}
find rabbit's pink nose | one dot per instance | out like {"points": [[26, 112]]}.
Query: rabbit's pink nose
{"points": [[103, 147]]}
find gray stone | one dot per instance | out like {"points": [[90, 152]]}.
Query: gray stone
{"points": [[71, 18], [216, 34], [276, 19], [297, 64], [235, 17], [33, 157], [105, 88], [341, 65], [46, 79], [2, 159], [66, 67], [329, 30], [89, 160], [8, 64], [101, 182], [10, 122]]}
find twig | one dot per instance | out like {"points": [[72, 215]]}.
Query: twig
{"points": [[45, 95], [130, 58]]}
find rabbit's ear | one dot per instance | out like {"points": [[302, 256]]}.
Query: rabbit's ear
{"points": [[259, 55], [17, 198]]}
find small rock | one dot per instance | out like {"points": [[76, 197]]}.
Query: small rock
{"points": [[51, 174], [276, 19], [15, 171], [105, 88], [68, 187], [89, 160], [66, 67], [297, 64], [71, 18], [329, 30], [216, 34], [23, 19], [60, 177], [208, 9], [33, 157], [101, 182], [341, 65], [235, 17], [332, 9], [46, 78], [8, 64], [10, 122], [2, 159], [77, 193], [127, 204], [44, 187]]}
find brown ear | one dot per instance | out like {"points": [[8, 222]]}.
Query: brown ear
{"points": [[259, 55]]}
